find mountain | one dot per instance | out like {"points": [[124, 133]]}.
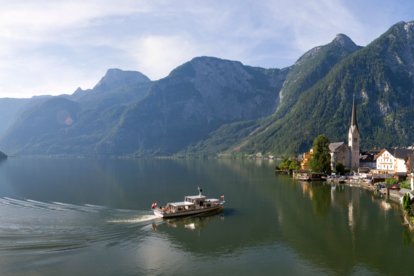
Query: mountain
{"points": [[380, 76], [75, 124], [210, 105], [305, 73], [311, 68], [116, 87], [127, 114], [9, 109], [194, 100]]}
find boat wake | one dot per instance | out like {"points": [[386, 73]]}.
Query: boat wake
{"points": [[56, 206], [140, 219], [31, 225]]}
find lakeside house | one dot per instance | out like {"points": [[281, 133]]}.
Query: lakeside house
{"points": [[396, 161]]}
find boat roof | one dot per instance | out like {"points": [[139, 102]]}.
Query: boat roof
{"points": [[212, 199], [196, 197], [181, 203]]}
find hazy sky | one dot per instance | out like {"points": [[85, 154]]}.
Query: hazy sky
{"points": [[53, 47]]}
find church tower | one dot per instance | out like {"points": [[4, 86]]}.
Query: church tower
{"points": [[353, 139]]}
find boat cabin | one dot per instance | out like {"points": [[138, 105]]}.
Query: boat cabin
{"points": [[197, 200], [179, 206]]}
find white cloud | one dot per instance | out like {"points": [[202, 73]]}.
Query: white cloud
{"points": [[155, 56], [56, 46], [313, 23]]}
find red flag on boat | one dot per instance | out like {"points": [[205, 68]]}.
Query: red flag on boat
{"points": [[154, 205]]}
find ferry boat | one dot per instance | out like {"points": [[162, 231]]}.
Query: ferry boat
{"points": [[192, 205]]}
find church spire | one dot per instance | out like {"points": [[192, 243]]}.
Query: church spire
{"points": [[353, 138], [353, 116]]}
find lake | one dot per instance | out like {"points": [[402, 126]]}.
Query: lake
{"points": [[93, 217]]}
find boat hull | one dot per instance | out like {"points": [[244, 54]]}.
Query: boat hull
{"points": [[160, 213]]}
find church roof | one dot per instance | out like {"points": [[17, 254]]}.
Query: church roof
{"points": [[334, 146]]}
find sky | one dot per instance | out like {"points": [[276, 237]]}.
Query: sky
{"points": [[55, 46]]}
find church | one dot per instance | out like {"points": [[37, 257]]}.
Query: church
{"points": [[347, 155]]}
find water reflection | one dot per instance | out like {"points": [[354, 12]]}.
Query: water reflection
{"points": [[269, 220], [346, 222], [189, 223]]}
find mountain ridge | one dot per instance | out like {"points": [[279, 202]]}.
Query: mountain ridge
{"points": [[209, 105]]}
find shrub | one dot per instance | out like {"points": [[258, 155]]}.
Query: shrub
{"points": [[406, 202], [405, 184], [391, 181]]}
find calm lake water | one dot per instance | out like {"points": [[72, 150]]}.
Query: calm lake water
{"points": [[92, 217]]}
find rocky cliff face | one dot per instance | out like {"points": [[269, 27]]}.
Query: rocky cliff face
{"points": [[195, 99]]}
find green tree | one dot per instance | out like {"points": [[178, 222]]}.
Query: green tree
{"points": [[290, 164], [294, 164], [321, 159], [340, 168]]}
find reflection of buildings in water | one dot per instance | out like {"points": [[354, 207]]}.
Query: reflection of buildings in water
{"points": [[333, 189], [384, 205], [351, 215], [258, 161], [351, 221], [307, 189]]}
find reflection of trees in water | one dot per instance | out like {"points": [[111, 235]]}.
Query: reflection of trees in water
{"points": [[320, 195], [408, 237], [321, 201]]}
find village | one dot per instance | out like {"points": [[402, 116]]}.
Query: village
{"points": [[388, 171]]}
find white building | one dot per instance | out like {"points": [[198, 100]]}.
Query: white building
{"points": [[395, 161]]}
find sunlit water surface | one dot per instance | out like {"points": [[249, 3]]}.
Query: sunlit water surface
{"points": [[92, 217]]}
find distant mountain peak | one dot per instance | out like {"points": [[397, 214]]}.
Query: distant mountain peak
{"points": [[115, 73], [344, 41], [117, 78], [409, 26], [78, 90], [402, 25]]}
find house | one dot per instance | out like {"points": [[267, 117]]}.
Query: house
{"points": [[395, 161], [367, 159]]}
